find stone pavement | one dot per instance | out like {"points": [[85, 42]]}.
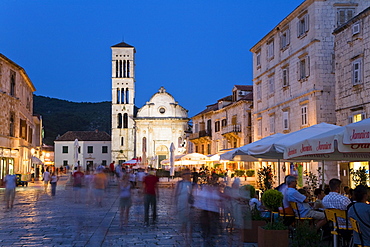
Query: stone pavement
{"points": [[38, 219]]}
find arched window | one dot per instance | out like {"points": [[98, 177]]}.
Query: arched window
{"points": [[122, 95], [120, 68], [125, 121], [12, 83], [124, 69], [118, 95], [119, 120], [144, 144], [117, 68], [127, 96], [128, 68]]}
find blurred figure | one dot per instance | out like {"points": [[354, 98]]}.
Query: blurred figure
{"points": [[125, 201], [53, 181], [32, 175], [46, 178], [100, 183], [346, 192], [78, 177], [319, 194], [195, 176], [208, 200], [150, 184], [118, 171], [132, 179], [89, 183], [140, 178], [183, 201], [10, 185]]}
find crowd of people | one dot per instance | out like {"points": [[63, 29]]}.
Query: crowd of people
{"points": [[333, 196], [205, 199]]}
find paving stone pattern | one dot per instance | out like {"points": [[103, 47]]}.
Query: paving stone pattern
{"points": [[38, 219]]}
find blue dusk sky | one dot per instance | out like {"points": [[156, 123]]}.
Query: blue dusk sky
{"points": [[196, 49]]}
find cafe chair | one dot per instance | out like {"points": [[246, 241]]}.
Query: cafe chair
{"points": [[344, 233], [298, 217], [356, 228]]}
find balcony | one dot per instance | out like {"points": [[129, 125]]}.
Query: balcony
{"points": [[231, 129], [200, 134]]}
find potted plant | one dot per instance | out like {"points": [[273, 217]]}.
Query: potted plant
{"points": [[275, 233], [265, 178], [250, 235]]}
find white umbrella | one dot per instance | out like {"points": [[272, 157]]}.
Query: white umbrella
{"points": [[172, 159], [75, 156], [343, 143], [276, 147], [242, 153]]}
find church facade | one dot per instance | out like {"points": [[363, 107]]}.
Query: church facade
{"points": [[149, 131]]}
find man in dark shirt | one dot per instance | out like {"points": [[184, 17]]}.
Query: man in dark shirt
{"points": [[150, 186]]}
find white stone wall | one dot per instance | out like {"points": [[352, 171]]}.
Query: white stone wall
{"points": [[127, 150], [161, 121], [96, 157], [317, 90], [21, 105], [219, 140], [352, 99]]}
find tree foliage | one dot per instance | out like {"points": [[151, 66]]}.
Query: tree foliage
{"points": [[60, 116]]}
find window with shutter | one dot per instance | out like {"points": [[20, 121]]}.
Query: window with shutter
{"points": [[271, 85], [356, 28], [304, 119], [356, 72], [285, 77], [303, 25], [344, 15], [285, 120]]}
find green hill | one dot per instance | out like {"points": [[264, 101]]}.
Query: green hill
{"points": [[60, 116]]}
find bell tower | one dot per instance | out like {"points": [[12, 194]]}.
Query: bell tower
{"points": [[123, 102]]}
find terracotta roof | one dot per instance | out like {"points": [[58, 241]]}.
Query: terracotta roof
{"points": [[209, 108], [227, 98], [244, 87], [85, 136], [248, 97], [122, 44]]}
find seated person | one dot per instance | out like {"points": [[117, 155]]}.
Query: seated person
{"points": [[319, 193], [302, 203], [360, 211]]}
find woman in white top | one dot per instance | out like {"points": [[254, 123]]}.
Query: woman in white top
{"points": [[53, 181]]}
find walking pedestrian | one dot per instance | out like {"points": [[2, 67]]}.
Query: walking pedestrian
{"points": [[125, 201], [32, 175], [78, 178], [10, 185], [46, 178], [100, 183], [183, 201], [150, 184], [53, 181]]}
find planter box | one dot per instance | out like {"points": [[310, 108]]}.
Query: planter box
{"points": [[276, 238], [251, 235]]}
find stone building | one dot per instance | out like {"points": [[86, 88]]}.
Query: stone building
{"points": [[352, 63], [225, 124], [146, 132], [17, 127], [293, 68], [352, 60], [160, 122], [123, 102], [94, 149]]}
